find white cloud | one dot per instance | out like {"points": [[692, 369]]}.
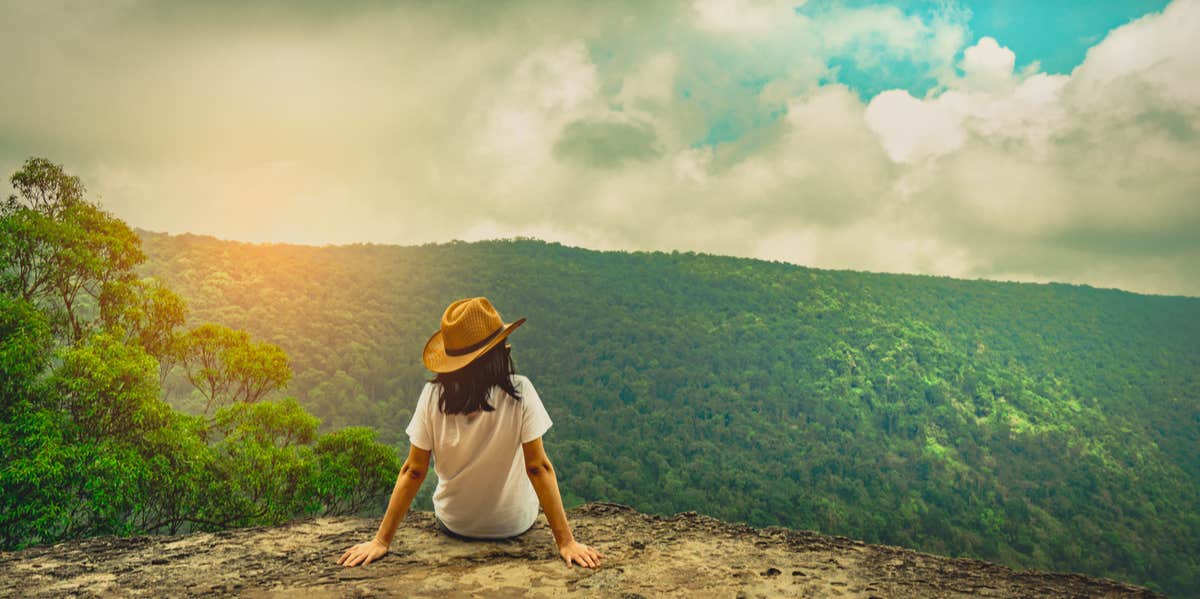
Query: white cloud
{"points": [[1157, 50], [652, 82], [741, 15], [822, 167], [912, 130], [884, 244], [1011, 163], [987, 101], [515, 122], [407, 127], [987, 66], [523, 114], [691, 165]]}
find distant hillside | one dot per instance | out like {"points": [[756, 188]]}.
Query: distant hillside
{"points": [[1046, 426], [645, 556]]}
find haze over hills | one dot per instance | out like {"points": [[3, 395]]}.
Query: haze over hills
{"points": [[1038, 425]]}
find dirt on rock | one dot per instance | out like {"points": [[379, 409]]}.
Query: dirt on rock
{"points": [[645, 556]]}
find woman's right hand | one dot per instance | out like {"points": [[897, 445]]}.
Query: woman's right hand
{"points": [[363, 553], [575, 551]]}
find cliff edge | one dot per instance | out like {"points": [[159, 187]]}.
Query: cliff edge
{"points": [[645, 556]]}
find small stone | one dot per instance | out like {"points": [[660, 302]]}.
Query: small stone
{"points": [[638, 545], [772, 572]]}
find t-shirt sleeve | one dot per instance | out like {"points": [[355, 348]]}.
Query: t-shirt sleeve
{"points": [[418, 429], [535, 421]]}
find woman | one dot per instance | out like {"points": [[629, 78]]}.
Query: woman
{"points": [[473, 416]]}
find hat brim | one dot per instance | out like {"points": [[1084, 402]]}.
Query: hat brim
{"points": [[436, 359]]}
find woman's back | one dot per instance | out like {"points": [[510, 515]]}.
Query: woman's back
{"points": [[482, 490], [480, 424]]}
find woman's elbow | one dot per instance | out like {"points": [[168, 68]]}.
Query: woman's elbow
{"points": [[413, 471], [539, 468]]}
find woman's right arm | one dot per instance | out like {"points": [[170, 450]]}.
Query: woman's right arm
{"points": [[545, 484]]}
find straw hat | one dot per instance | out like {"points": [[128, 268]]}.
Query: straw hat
{"points": [[470, 327]]}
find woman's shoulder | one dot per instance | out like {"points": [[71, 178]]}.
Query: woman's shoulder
{"points": [[522, 384], [430, 388]]}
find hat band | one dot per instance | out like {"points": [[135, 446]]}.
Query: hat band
{"points": [[474, 346]]}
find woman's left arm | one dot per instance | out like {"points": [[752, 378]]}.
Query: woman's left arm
{"points": [[412, 474]]}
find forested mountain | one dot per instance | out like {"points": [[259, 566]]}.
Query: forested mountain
{"points": [[1039, 425]]}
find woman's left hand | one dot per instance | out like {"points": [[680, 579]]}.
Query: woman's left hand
{"points": [[363, 553], [574, 551]]}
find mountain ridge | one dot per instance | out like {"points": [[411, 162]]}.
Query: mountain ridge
{"points": [[144, 233]]}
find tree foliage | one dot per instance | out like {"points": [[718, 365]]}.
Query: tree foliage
{"points": [[225, 366], [146, 313], [60, 251], [88, 445]]}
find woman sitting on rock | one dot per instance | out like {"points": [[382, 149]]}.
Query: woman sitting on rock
{"points": [[473, 416]]}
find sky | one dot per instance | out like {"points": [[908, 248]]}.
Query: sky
{"points": [[1020, 140]]}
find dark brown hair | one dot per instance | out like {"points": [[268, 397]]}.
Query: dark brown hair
{"points": [[466, 390]]}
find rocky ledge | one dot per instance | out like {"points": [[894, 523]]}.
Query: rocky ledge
{"points": [[645, 556]]}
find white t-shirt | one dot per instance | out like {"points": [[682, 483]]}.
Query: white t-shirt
{"points": [[482, 488]]}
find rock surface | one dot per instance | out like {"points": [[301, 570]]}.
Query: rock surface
{"points": [[645, 556]]}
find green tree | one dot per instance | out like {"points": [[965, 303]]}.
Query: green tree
{"points": [[61, 251], [265, 458], [354, 472], [25, 350], [257, 369], [110, 389], [147, 313], [227, 367]]}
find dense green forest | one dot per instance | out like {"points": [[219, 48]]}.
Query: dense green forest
{"points": [[1037, 425], [158, 383], [88, 445]]}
